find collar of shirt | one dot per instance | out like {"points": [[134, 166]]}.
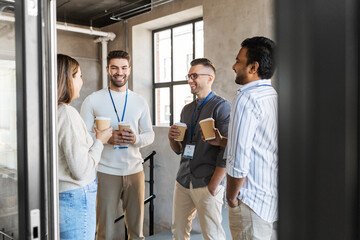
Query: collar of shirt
{"points": [[254, 83], [199, 101]]}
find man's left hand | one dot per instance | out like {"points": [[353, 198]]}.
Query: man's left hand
{"points": [[128, 136], [233, 202], [212, 188]]}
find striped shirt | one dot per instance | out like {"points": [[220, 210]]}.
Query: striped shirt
{"points": [[252, 149]]}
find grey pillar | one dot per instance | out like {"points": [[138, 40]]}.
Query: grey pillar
{"points": [[318, 119]]}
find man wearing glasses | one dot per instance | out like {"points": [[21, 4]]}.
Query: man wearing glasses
{"points": [[199, 182]]}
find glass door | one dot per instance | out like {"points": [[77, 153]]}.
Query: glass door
{"points": [[28, 162], [8, 148]]}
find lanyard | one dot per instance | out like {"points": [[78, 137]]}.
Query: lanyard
{"points": [[268, 85], [193, 125], [112, 100]]}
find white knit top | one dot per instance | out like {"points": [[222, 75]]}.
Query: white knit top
{"points": [[78, 154], [120, 162]]}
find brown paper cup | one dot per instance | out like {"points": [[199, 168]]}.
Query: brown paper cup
{"points": [[102, 123], [207, 127], [123, 125], [182, 128]]}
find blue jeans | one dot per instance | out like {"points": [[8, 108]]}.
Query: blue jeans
{"points": [[78, 212]]}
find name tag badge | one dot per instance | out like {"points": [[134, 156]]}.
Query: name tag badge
{"points": [[120, 146], [189, 151]]}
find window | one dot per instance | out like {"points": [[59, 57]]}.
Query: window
{"points": [[174, 48]]}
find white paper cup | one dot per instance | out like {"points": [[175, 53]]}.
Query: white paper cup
{"points": [[207, 127]]}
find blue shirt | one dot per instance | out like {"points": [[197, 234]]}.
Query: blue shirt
{"points": [[252, 149]]}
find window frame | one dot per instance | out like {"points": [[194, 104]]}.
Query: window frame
{"points": [[172, 83]]}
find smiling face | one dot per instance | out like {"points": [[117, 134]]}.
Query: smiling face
{"points": [[241, 68], [77, 84], [201, 86], [118, 71]]}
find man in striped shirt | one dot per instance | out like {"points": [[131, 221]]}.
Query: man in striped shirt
{"points": [[252, 146]]}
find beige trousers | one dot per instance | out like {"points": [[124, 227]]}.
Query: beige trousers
{"points": [[245, 224], [131, 191], [185, 204]]}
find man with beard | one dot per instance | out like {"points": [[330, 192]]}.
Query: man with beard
{"points": [[120, 172], [199, 183], [252, 147]]}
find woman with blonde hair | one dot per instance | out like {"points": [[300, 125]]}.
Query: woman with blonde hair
{"points": [[78, 155]]}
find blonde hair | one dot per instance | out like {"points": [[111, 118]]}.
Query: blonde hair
{"points": [[67, 67]]}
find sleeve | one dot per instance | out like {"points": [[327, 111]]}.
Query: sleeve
{"points": [[80, 158], [88, 116], [182, 121], [146, 135], [245, 121], [222, 117]]}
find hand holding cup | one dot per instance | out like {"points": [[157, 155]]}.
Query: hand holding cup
{"points": [[127, 136], [207, 128], [103, 135], [219, 140], [177, 132]]}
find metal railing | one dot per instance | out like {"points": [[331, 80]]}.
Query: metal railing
{"points": [[5, 236], [149, 199]]}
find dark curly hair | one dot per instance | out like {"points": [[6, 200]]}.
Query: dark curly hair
{"points": [[261, 50]]}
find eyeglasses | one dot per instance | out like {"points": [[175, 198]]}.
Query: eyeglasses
{"points": [[194, 76]]}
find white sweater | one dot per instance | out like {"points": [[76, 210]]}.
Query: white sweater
{"points": [[120, 162], [78, 153]]}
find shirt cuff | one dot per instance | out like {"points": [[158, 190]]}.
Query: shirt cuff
{"points": [[137, 140], [99, 144], [234, 172]]}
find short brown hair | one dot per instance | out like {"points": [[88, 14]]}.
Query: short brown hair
{"points": [[203, 61], [118, 54], [67, 67]]}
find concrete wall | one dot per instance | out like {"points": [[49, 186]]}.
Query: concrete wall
{"points": [[226, 24], [88, 54]]}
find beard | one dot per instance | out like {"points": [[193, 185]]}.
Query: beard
{"points": [[238, 80], [117, 83]]}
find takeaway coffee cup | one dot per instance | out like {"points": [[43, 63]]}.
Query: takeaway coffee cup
{"points": [[207, 127], [102, 123], [123, 125], [182, 128]]}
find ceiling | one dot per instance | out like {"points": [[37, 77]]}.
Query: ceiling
{"points": [[7, 6], [97, 13]]}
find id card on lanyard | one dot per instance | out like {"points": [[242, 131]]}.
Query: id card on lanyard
{"points": [[122, 117], [190, 148]]}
